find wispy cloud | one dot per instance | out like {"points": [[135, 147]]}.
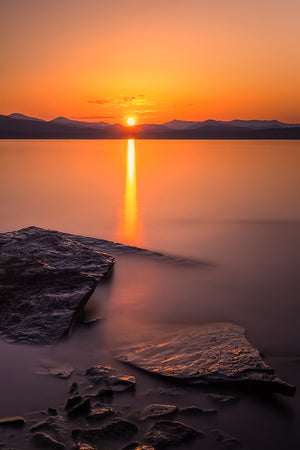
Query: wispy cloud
{"points": [[123, 99], [127, 99], [95, 117], [102, 101]]}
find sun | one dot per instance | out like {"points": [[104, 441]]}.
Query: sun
{"points": [[131, 121]]}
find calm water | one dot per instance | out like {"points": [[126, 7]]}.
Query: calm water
{"points": [[233, 204]]}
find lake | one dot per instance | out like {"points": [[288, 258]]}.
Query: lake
{"points": [[232, 205]]}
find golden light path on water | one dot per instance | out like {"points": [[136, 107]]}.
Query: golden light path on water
{"points": [[130, 208]]}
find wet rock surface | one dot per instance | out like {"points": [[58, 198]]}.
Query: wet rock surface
{"points": [[157, 410], [81, 446], [165, 433], [209, 354], [61, 372], [117, 430], [101, 413], [195, 411], [43, 440], [83, 407], [105, 378], [45, 280], [137, 446]]}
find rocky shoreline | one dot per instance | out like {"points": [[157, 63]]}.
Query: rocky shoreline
{"points": [[46, 278], [89, 419]]}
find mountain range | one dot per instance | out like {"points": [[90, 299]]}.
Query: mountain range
{"points": [[20, 126]]}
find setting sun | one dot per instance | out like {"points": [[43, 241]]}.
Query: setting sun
{"points": [[131, 121]]}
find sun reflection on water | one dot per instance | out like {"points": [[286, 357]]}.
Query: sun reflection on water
{"points": [[130, 208]]}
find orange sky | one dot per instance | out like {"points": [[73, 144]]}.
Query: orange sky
{"points": [[153, 60]]}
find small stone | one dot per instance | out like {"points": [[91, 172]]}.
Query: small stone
{"points": [[137, 446], [40, 426], [61, 372], [16, 421], [195, 410], [156, 410], [165, 433], [73, 401], [82, 446], [223, 398], [45, 441], [101, 413], [121, 383], [83, 407], [118, 429], [110, 379], [53, 423]]}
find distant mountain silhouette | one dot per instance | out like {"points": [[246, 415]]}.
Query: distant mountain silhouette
{"points": [[23, 117], [78, 123], [183, 125], [17, 126]]}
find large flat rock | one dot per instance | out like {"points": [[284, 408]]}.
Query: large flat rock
{"points": [[46, 278], [209, 354]]}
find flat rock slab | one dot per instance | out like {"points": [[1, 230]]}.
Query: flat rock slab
{"points": [[46, 278], [209, 354]]}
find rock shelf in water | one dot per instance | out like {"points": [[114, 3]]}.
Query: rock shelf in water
{"points": [[46, 278], [209, 354]]}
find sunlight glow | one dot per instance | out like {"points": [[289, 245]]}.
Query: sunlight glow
{"points": [[130, 212], [131, 121]]}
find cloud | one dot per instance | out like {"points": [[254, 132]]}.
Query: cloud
{"points": [[127, 98], [94, 117], [124, 99], [103, 101]]}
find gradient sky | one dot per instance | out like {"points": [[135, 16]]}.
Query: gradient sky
{"points": [[153, 60]]}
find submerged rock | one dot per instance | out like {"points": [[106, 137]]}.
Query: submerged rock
{"points": [[43, 440], [118, 429], [84, 407], [46, 278], [156, 410], [195, 411], [77, 405], [165, 433], [137, 446], [107, 378], [209, 354], [55, 424], [60, 372], [101, 413], [223, 398]]}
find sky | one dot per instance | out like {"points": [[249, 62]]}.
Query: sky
{"points": [[152, 60]]}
